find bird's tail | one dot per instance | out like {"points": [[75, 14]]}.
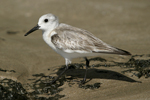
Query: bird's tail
{"points": [[121, 52]]}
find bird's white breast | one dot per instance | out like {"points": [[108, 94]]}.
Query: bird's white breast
{"points": [[47, 39]]}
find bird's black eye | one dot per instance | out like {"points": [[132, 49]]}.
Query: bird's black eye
{"points": [[45, 20]]}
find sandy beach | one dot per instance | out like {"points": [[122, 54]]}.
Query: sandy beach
{"points": [[29, 60]]}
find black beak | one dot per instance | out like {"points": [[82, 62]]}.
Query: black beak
{"points": [[32, 30]]}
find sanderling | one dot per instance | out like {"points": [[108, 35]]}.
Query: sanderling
{"points": [[71, 42]]}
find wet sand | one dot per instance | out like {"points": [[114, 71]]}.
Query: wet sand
{"points": [[122, 24]]}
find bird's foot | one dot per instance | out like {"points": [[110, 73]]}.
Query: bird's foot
{"points": [[83, 81]]}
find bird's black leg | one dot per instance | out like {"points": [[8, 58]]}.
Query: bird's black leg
{"points": [[87, 65], [66, 68]]}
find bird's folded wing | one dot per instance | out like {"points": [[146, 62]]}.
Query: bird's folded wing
{"points": [[72, 39]]}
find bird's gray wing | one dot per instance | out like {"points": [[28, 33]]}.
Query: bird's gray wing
{"points": [[72, 39]]}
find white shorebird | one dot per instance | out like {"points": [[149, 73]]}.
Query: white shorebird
{"points": [[71, 42]]}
